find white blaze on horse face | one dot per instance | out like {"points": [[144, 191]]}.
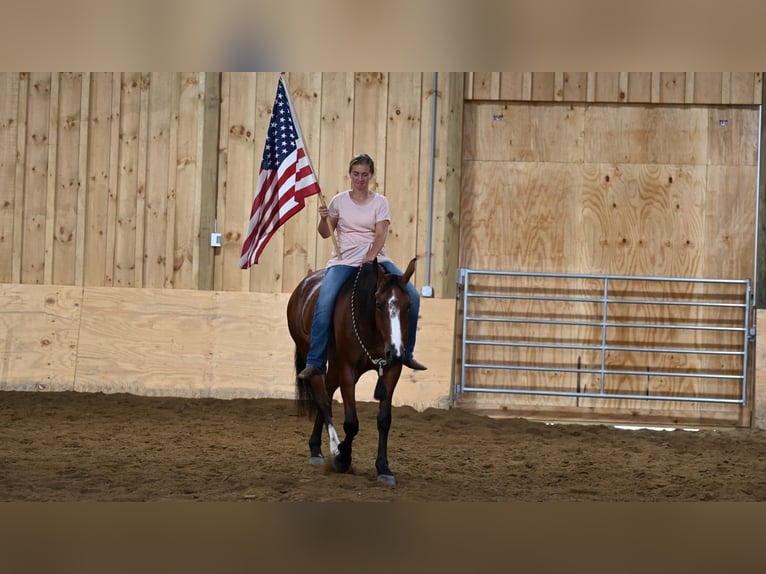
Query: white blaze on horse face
{"points": [[396, 325]]}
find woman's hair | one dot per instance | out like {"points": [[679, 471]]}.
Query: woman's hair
{"points": [[362, 158]]}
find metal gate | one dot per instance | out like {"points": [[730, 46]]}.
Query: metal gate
{"points": [[598, 337]]}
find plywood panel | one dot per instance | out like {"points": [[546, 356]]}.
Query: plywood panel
{"points": [[645, 134], [759, 395], [642, 220], [39, 326], [146, 341], [523, 132], [657, 210], [730, 208], [178, 342], [519, 216], [732, 136]]}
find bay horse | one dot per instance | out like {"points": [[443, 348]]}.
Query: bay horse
{"points": [[369, 330]]}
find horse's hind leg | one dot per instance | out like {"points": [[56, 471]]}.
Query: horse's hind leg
{"points": [[323, 389]]}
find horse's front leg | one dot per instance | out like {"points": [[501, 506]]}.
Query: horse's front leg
{"points": [[316, 457], [342, 461], [384, 426]]}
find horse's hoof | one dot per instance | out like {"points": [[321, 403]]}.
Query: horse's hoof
{"points": [[340, 466], [316, 460], [387, 479]]}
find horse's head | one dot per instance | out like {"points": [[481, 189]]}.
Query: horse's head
{"points": [[392, 305]]}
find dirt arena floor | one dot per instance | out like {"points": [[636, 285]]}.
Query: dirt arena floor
{"points": [[73, 447]]}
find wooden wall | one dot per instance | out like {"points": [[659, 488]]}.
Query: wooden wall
{"points": [[728, 88], [185, 343], [562, 180], [117, 179]]}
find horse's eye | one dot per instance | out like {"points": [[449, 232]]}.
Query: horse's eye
{"points": [[380, 306]]}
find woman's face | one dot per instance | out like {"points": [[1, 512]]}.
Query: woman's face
{"points": [[360, 176]]}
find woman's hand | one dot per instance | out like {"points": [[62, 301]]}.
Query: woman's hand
{"points": [[324, 211]]}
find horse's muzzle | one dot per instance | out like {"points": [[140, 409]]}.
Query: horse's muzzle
{"points": [[393, 353]]}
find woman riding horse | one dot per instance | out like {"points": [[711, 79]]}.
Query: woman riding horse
{"points": [[360, 217]]}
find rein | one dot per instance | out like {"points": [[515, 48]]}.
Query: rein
{"points": [[380, 363]]}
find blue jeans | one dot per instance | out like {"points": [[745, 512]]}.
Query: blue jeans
{"points": [[334, 278]]}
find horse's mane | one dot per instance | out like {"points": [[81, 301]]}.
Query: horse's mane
{"points": [[367, 285]]}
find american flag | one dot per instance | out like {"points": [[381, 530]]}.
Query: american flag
{"points": [[285, 180]]}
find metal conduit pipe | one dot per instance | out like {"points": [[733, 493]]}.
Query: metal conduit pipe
{"points": [[427, 290]]}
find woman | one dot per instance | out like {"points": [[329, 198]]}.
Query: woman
{"points": [[361, 218]]}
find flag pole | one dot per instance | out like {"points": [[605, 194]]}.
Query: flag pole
{"points": [[308, 155], [332, 232]]}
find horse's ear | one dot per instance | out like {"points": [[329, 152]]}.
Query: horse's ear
{"points": [[410, 270]]}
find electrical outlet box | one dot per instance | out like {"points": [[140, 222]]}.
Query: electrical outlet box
{"points": [[427, 291], [215, 240]]}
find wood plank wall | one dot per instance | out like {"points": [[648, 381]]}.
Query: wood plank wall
{"points": [[117, 179], [728, 88]]}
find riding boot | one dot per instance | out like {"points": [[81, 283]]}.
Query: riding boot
{"points": [[309, 372], [413, 364]]}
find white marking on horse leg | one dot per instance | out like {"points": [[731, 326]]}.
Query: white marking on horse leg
{"points": [[396, 326], [334, 440]]}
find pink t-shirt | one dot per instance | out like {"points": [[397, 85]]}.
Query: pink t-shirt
{"points": [[355, 230]]}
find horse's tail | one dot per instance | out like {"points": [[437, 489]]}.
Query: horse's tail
{"points": [[305, 405]]}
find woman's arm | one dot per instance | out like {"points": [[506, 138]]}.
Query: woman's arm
{"points": [[381, 232], [326, 223]]}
